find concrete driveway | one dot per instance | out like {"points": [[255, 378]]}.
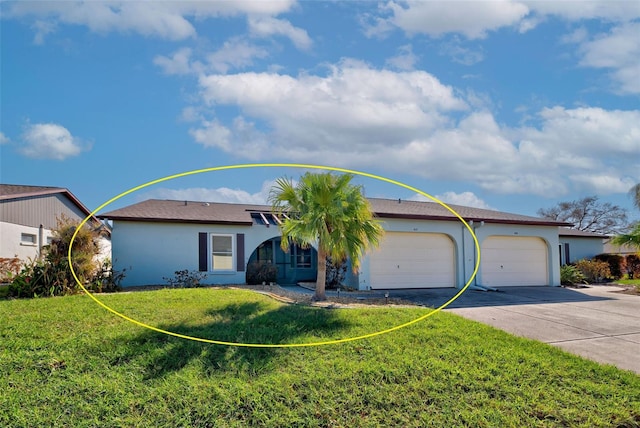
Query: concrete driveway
{"points": [[594, 322]]}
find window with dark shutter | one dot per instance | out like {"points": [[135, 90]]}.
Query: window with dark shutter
{"points": [[240, 252], [203, 254]]}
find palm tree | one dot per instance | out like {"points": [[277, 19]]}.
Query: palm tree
{"points": [[631, 239], [326, 210], [634, 192]]}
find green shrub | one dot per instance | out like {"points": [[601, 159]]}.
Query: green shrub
{"points": [[107, 279], [34, 279], [633, 266], [9, 268], [616, 264], [186, 279], [336, 273], [51, 276], [262, 271], [593, 270], [570, 275]]}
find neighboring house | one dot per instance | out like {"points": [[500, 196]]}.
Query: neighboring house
{"points": [[579, 244], [424, 246], [28, 214], [623, 250]]}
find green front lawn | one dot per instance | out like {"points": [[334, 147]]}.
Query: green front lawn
{"points": [[65, 361], [634, 282]]}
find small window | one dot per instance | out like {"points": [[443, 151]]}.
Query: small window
{"points": [[222, 252], [28, 239], [301, 257]]}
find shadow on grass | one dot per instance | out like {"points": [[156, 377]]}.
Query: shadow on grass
{"points": [[248, 322]]}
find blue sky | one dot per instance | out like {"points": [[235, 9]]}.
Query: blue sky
{"points": [[511, 105]]}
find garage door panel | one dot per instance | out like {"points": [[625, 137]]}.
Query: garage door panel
{"points": [[413, 260], [514, 261]]}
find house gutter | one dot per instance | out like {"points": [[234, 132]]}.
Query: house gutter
{"points": [[464, 256], [40, 239]]}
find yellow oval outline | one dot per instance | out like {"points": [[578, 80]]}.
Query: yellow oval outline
{"points": [[274, 165]]}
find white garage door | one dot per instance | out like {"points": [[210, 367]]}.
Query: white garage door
{"points": [[413, 260], [507, 260]]}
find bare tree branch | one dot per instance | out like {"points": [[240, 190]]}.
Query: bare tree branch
{"points": [[590, 215]]}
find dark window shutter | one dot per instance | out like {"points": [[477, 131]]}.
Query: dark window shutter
{"points": [[567, 258], [203, 255], [240, 252], [560, 254]]}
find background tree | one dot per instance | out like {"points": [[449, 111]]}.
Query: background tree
{"points": [[590, 215], [632, 238], [634, 192], [326, 210]]}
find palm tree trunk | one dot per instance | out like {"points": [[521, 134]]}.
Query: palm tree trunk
{"points": [[322, 275]]}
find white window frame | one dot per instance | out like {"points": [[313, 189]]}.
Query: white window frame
{"points": [[212, 268], [32, 242]]}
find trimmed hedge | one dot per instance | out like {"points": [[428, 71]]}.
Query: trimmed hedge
{"points": [[633, 266], [616, 262]]}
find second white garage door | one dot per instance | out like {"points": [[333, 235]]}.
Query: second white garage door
{"points": [[507, 260], [413, 260]]}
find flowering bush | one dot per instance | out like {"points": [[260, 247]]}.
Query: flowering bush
{"points": [[593, 270]]}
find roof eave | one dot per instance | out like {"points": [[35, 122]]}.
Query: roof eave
{"points": [[175, 220], [35, 193], [468, 219]]}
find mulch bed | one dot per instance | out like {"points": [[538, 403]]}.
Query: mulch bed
{"points": [[626, 289], [286, 296]]}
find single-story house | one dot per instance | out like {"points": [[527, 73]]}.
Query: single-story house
{"points": [[28, 214], [424, 246], [579, 244], [623, 250]]}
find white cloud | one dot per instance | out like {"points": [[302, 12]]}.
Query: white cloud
{"points": [[220, 194], [408, 122], [235, 53], [166, 19], [589, 130], [178, 63], [467, 199], [578, 35], [266, 26], [190, 114], [602, 183], [213, 134], [472, 19], [353, 95], [50, 141], [42, 29], [3, 138], [460, 54], [405, 60], [241, 135], [609, 10], [618, 51]]}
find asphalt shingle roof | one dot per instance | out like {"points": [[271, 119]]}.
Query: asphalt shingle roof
{"points": [[564, 231], [10, 192], [14, 191], [240, 214]]}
